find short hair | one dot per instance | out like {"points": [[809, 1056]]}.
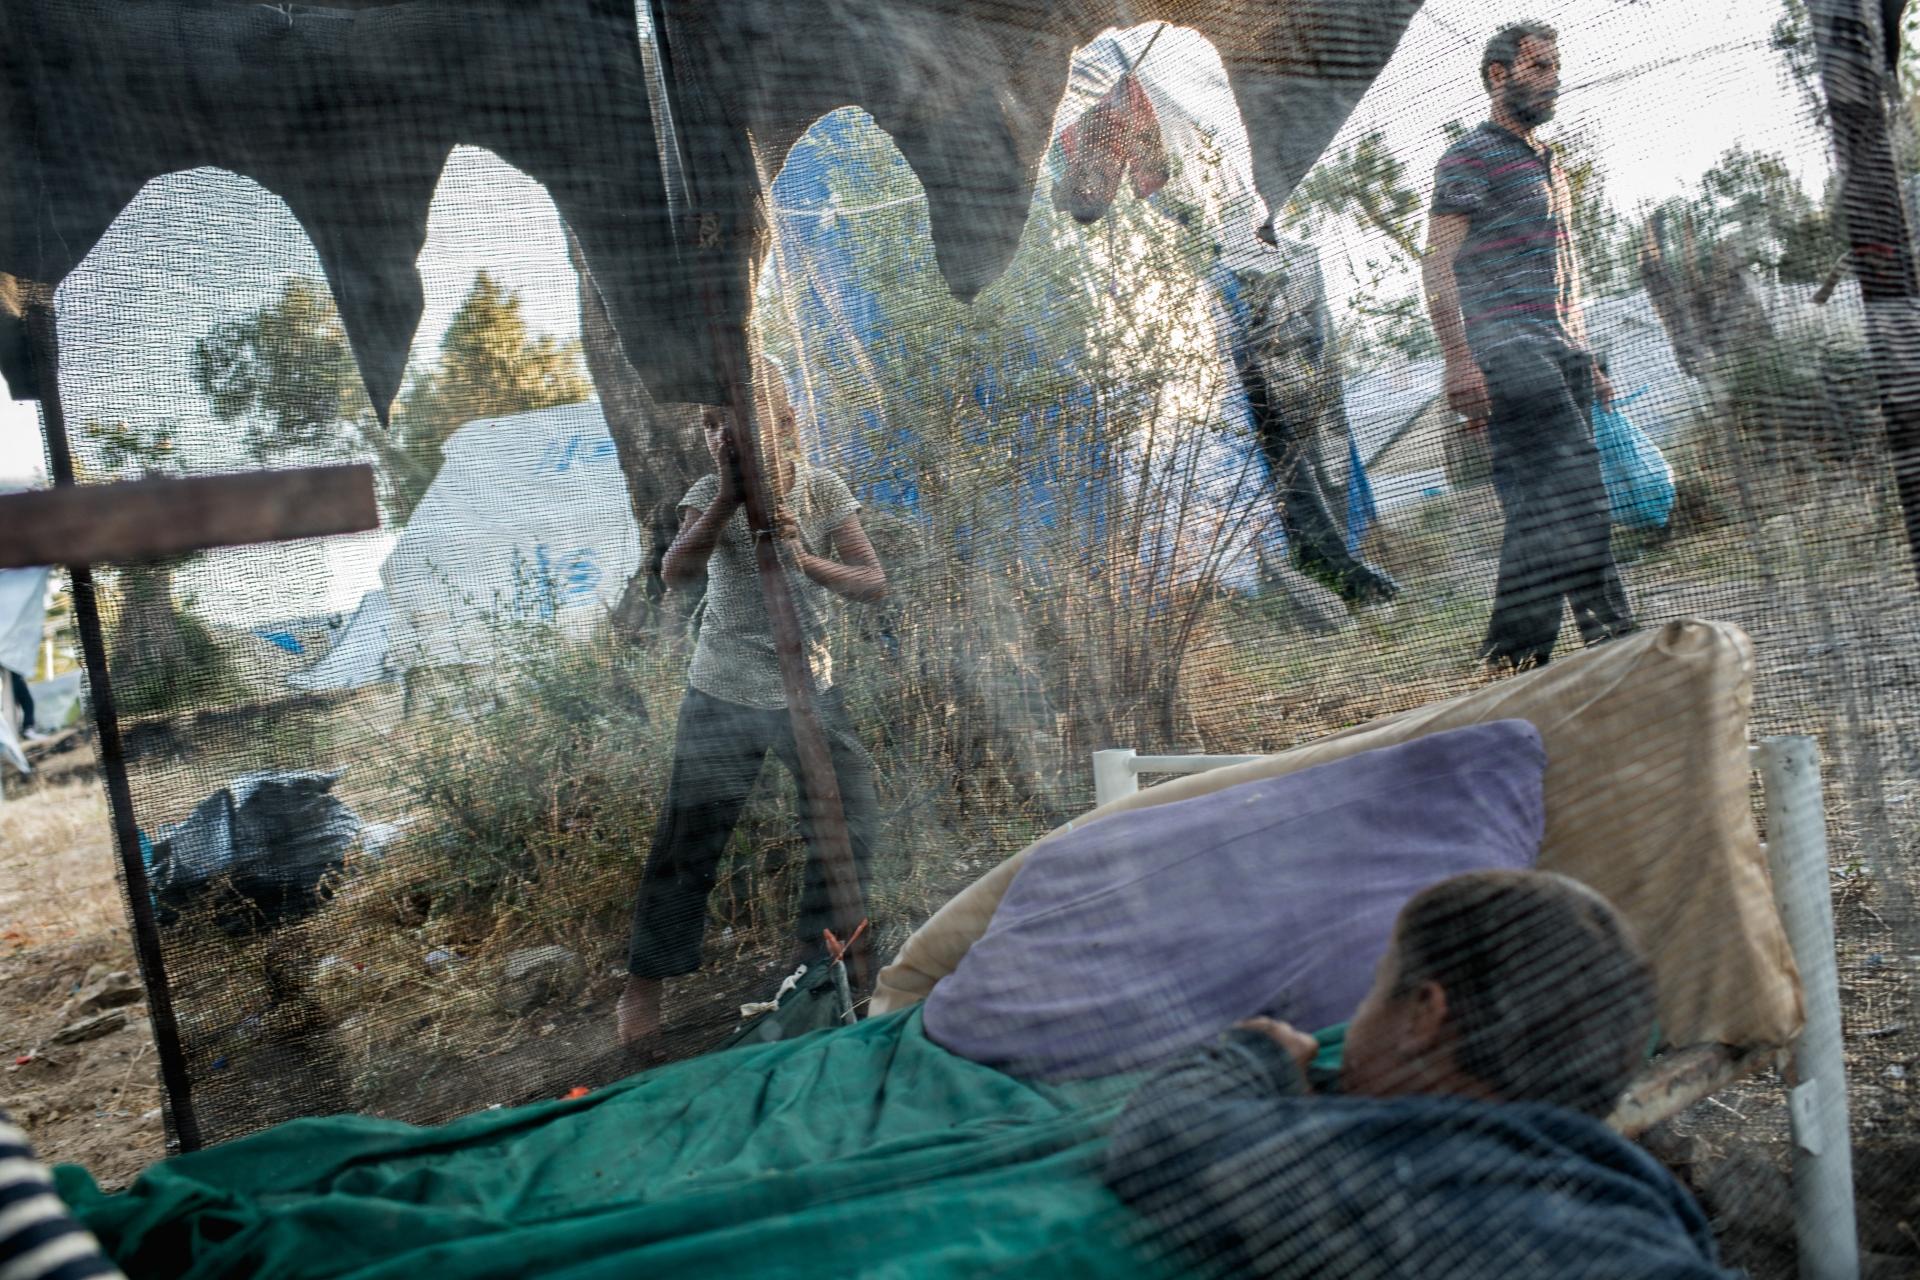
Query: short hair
{"points": [[1549, 995], [1504, 48]]}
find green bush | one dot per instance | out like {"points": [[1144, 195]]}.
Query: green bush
{"points": [[556, 753]]}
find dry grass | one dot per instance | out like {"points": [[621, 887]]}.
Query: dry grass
{"points": [[61, 918], [57, 881]]}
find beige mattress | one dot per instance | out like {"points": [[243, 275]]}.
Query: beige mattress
{"points": [[1648, 795]]}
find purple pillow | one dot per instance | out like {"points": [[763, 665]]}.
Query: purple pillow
{"points": [[1123, 942]]}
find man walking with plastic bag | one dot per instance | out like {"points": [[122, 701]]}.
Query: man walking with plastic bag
{"points": [[1501, 285]]}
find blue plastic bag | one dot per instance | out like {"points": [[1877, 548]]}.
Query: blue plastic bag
{"points": [[1638, 478]]}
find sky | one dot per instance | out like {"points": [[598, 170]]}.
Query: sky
{"points": [[1663, 87]]}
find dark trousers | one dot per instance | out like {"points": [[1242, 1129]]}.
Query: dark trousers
{"points": [[1559, 533], [718, 752], [23, 696]]}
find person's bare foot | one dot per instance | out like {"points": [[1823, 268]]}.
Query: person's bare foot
{"points": [[638, 1011]]}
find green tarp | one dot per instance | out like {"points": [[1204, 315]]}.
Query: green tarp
{"points": [[865, 1150]]}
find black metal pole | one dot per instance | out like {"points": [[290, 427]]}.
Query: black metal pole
{"points": [[183, 1126]]}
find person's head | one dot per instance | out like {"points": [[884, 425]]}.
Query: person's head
{"points": [[773, 412], [1521, 986], [1521, 72]]}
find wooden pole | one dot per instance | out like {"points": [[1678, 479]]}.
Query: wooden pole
{"points": [[719, 244], [184, 1126], [819, 784]]}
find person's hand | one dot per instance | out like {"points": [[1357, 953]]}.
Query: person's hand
{"points": [[786, 528], [718, 429], [1602, 387], [1466, 389], [1300, 1046]]}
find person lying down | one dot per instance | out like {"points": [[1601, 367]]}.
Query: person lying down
{"points": [[1466, 1136]]}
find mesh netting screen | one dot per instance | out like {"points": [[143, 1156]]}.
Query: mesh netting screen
{"points": [[1191, 379]]}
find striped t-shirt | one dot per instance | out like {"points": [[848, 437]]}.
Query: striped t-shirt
{"points": [[39, 1240], [1515, 268]]}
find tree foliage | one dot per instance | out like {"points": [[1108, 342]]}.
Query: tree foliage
{"points": [[1749, 208], [286, 373], [490, 365], [1366, 186], [1366, 182], [163, 657], [1792, 39], [1604, 242], [126, 450]]}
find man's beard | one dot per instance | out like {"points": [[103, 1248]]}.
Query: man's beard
{"points": [[1531, 109]]}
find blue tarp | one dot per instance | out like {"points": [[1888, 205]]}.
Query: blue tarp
{"points": [[1361, 511], [843, 339], [283, 640]]}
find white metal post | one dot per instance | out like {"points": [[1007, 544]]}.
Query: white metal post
{"points": [[1817, 1101], [1116, 771], [1114, 775]]}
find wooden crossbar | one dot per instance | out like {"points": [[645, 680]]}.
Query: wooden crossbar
{"points": [[136, 520]]}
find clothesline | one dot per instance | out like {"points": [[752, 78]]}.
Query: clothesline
{"points": [[833, 210]]}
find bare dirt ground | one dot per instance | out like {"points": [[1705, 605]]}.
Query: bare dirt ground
{"points": [[95, 1103]]}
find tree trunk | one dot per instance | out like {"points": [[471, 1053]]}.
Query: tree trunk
{"points": [[659, 446], [1703, 297], [154, 660]]}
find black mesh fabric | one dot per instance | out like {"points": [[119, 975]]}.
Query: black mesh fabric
{"points": [[1145, 419]]}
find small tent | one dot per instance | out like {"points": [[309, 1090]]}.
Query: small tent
{"points": [[23, 608], [12, 753], [527, 524], [23, 614], [359, 653]]}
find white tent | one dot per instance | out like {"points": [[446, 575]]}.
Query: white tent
{"points": [[1384, 403], [23, 614], [528, 522], [12, 754], [23, 608], [358, 656]]}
